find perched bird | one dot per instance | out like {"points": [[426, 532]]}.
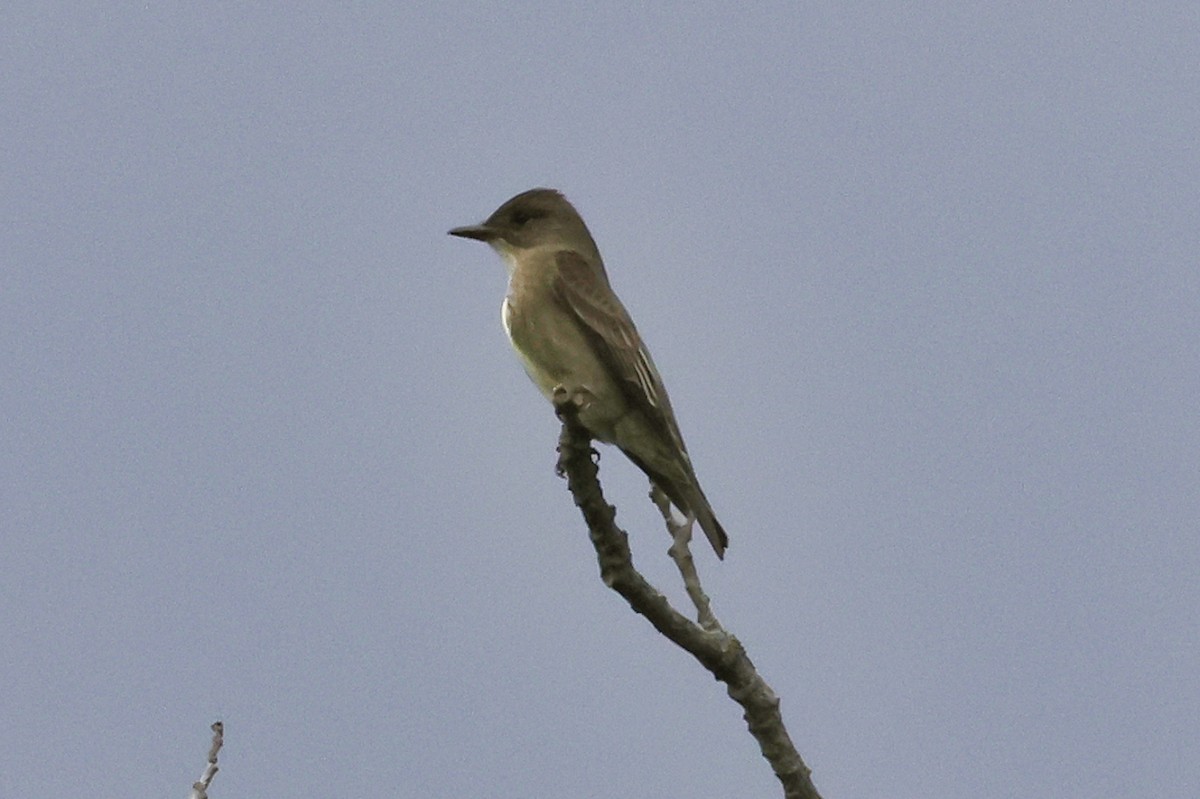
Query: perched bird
{"points": [[572, 333]]}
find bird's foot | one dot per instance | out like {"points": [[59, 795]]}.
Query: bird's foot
{"points": [[570, 399], [567, 404], [578, 396]]}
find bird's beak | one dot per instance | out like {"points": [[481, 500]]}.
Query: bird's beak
{"points": [[478, 232]]}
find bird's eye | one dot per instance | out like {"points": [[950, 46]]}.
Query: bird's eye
{"points": [[519, 218]]}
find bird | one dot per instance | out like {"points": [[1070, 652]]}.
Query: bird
{"points": [[572, 334]]}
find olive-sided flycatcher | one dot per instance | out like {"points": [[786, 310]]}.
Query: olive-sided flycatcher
{"points": [[572, 333]]}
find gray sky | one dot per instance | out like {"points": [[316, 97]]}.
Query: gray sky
{"points": [[923, 284]]}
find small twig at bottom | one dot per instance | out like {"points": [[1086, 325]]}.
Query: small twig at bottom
{"points": [[200, 789]]}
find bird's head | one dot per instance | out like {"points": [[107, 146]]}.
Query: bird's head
{"points": [[532, 219]]}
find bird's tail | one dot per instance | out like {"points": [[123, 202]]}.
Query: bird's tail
{"points": [[689, 498], [708, 523], [679, 483]]}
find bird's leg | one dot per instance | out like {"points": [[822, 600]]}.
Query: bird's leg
{"points": [[579, 396], [567, 405], [681, 537]]}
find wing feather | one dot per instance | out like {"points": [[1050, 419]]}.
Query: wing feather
{"points": [[585, 290]]}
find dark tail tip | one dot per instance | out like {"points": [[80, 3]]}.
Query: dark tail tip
{"points": [[716, 534]]}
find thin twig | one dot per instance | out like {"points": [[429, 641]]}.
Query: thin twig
{"points": [[200, 789], [681, 553]]}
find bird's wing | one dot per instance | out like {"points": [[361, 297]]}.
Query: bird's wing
{"points": [[585, 291]]}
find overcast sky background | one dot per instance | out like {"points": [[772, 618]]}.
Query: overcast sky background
{"points": [[923, 284]]}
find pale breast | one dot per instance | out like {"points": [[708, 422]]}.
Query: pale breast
{"points": [[540, 377]]}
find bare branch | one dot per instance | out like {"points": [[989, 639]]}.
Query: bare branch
{"points": [[681, 553], [200, 789], [717, 650]]}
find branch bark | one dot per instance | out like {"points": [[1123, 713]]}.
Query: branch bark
{"points": [[717, 650], [200, 789]]}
